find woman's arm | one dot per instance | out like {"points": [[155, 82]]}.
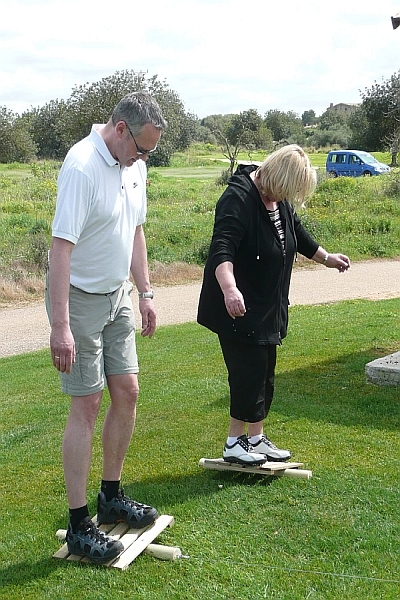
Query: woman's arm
{"points": [[341, 262], [234, 301]]}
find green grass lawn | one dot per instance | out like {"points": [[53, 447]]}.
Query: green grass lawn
{"points": [[334, 536]]}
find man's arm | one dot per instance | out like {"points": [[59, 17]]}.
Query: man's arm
{"points": [[62, 344], [140, 273]]}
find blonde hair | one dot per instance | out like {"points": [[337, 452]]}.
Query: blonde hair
{"points": [[286, 174]]}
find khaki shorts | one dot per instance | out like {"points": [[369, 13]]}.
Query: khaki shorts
{"points": [[103, 326]]}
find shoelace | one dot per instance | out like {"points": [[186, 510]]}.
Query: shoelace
{"points": [[245, 445], [129, 502], [270, 444], [99, 536]]}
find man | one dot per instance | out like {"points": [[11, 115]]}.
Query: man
{"points": [[98, 241]]}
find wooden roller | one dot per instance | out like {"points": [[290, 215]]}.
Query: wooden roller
{"points": [[155, 550]]}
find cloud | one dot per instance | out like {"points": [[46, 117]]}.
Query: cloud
{"points": [[219, 56]]}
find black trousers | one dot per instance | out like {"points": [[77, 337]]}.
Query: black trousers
{"points": [[251, 373]]}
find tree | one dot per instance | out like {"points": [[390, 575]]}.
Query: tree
{"points": [[16, 144], [286, 127], [309, 118], [61, 123], [204, 134], [392, 143], [337, 135], [216, 122], [331, 118], [245, 131], [94, 103], [379, 116], [46, 124], [359, 126]]}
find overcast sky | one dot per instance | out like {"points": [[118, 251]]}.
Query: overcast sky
{"points": [[219, 56]]}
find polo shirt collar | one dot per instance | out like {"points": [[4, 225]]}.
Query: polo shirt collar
{"points": [[101, 146]]}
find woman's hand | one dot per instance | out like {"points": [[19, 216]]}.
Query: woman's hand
{"points": [[341, 262], [234, 303]]}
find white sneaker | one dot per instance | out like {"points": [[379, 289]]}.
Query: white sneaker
{"points": [[272, 453], [242, 452]]}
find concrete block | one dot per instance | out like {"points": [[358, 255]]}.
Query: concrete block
{"points": [[385, 370]]}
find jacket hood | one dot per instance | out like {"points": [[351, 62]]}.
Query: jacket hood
{"points": [[243, 183]]}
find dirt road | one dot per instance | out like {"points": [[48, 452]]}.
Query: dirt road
{"points": [[25, 328]]}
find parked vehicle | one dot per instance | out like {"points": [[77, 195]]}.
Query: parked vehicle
{"points": [[353, 163]]}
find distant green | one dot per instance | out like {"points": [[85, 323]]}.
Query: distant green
{"points": [[360, 217]]}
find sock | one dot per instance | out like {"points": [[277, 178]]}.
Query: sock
{"points": [[76, 515], [231, 440], [110, 489], [254, 439]]}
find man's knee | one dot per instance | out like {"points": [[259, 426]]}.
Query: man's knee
{"points": [[124, 388]]}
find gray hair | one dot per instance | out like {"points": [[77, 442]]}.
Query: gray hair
{"points": [[288, 175], [137, 109]]}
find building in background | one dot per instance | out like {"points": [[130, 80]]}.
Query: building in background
{"points": [[343, 107]]}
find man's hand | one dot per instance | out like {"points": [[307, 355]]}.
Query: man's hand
{"points": [[62, 348], [149, 317]]}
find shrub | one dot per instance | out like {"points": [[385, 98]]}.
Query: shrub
{"points": [[223, 178], [38, 246], [391, 184]]}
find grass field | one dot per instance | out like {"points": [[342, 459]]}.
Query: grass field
{"points": [[360, 217], [334, 536]]}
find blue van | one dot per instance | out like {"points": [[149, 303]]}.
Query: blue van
{"points": [[353, 163]]}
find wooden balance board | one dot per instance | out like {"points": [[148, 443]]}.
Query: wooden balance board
{"points": [[277, 469], [135, 542]]}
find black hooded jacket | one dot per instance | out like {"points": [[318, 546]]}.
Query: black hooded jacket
{"points": [[245, 236]]}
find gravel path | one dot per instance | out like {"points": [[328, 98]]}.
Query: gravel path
{"points": [[25, 328]]}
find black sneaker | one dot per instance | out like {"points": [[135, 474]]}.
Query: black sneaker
{"points": [[89, 541], [124, 509]]}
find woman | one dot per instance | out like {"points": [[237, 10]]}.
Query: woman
{"points": [[244, 296]]}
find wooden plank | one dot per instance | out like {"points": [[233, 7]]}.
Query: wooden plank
{"points": [[155, 550], [135, 541], [278, 469], [141, 543], [129, 537], [117, 530], [62, 552]]}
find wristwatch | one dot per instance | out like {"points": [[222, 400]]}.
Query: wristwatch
{"points": [[149, 295]]}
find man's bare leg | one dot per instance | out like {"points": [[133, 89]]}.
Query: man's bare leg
{"points": [[77, 446], [119, 423]]}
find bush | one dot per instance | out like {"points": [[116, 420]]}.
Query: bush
{"points": [[391, 184], [16, 144], [223, 178], [38, 246], [337, 135]]}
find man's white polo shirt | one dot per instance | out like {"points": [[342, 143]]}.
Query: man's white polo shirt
{"points": [[99, 206]]}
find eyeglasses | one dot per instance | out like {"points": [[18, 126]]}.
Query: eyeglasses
{"points": [[139, 150]]}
